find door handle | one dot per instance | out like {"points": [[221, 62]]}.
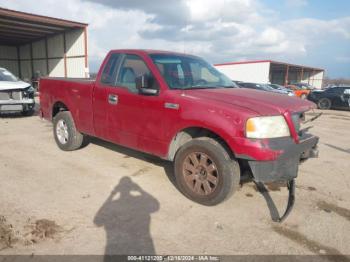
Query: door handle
{"points": [[113, 99]]}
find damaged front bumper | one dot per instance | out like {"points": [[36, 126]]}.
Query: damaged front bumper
{"points": [[285, 167], [13, 105]]}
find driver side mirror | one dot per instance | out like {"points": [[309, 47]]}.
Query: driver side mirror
{"points": [[144, 85]]}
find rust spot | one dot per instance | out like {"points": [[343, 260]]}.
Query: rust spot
{"points": [[249, 195], [328, 207]]}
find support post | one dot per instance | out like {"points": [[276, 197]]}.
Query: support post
{"points": [[19, 62], [47, 57], [31, 59], [286, 76], [65, 54], [86, 52], [302, 74]]}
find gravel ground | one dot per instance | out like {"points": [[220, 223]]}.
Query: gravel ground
{"points": [[108, 199]]}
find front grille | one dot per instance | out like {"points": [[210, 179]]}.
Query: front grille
{"points": [[17, 95], [7, 95], [4, 96]]}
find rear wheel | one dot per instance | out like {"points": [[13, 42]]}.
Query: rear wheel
{"points": [[205, 172], [324, 103], [66, 135]]}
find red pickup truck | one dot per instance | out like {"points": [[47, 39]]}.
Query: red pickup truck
{"points": [[180, 108]]}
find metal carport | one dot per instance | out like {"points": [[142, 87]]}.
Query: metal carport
{"points": [[270, 71], [31, 44]]}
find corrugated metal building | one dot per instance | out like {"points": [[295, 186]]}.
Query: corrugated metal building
{"points": [[53, 47], [264, 71]]}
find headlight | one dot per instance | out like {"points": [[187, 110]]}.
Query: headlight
{"points": [[30, 89], [29, 92], [267, 127]]}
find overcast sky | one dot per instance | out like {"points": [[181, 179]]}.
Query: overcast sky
{"points": [[310, 32]]}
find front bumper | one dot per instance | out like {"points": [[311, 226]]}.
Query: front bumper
{"points": [[285, 167], [16, 105]]}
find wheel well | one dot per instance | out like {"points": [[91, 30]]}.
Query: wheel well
{"points": [[187, 134], [58, 107]]}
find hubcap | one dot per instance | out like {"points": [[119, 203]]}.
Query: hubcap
{"points": [[62, 131], [200, 173]]}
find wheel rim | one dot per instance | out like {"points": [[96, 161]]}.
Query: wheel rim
{"points": [[200, 173], [62, 131], [324, 103]]}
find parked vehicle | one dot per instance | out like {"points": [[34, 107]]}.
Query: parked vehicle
{"points": [[298, 91], [15, 95], [237, 83], [337, 97], [264, 87], [180, 108], [304, 86], [282, 88]]}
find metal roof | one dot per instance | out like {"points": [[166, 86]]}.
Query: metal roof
{"points": [[272, 62], [18, 28]]}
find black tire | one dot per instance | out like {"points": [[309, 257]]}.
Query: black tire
{"points": [[74, 138], [227, 172], [324, 103], [28, 112]]}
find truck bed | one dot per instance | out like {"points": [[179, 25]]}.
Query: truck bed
{"points": [[75, 93]]}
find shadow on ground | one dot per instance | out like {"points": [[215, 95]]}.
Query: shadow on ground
{"points": [[166, 165], [126, 217]]}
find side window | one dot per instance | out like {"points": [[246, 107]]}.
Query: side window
{"points": [[109, 73], [335, 91], [132, 67], [347, 91]]}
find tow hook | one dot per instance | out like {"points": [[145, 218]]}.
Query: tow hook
{"points": [[291, 200]]}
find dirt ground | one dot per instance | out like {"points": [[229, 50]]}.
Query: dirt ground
{"points": [[108, 199]]}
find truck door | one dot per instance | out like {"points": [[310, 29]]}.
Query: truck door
{"points": [[345, 98], [103, 99], [337, 97], [129, 118]]}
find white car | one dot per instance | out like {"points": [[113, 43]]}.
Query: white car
{"points": [[15, 95]]}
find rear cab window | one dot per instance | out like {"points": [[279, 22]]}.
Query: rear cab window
{"points": [[110, 70]]}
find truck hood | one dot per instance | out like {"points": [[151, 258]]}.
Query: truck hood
{"points": [[12, 85], [261, 102]]}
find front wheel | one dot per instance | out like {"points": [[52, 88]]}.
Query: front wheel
{"points": [[324, 103], [66, 135], [205, 172]]}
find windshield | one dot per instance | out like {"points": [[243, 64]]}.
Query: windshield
{"points": [[187, 72], [265, 87], [7, 76], [275, 86]]}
